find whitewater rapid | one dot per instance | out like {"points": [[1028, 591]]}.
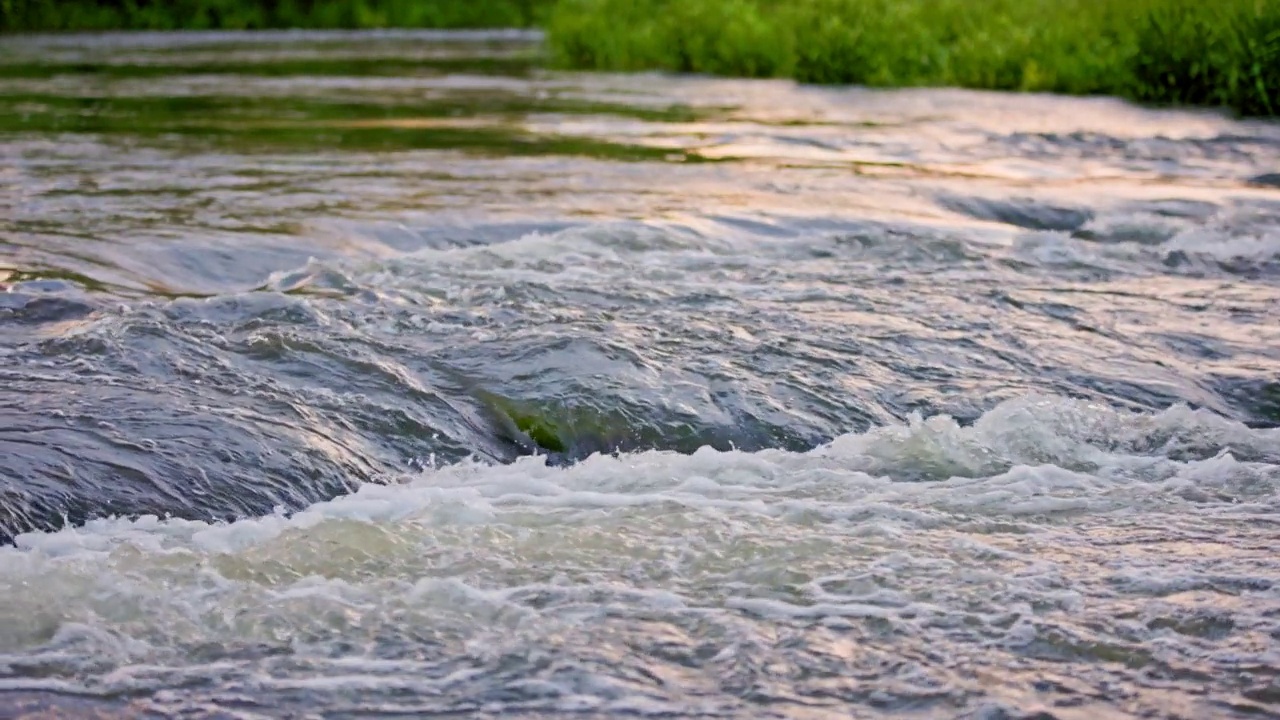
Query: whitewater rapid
{"points": [[382, 375]]}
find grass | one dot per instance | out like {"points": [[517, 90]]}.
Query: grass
{"points": [[1221, 53]]}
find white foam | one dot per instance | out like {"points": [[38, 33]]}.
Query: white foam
{"points": [[1023, 447], [463, 552], [1258, 247]]}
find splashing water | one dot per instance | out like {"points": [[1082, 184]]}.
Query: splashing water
{"points": [[388, 374]]}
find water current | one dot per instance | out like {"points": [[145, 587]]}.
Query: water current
{"points": [[393, 375]]}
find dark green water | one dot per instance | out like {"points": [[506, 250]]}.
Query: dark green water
{"points": [[380, 375]]}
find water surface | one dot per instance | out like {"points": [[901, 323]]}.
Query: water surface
{"points": [[389, 374]]}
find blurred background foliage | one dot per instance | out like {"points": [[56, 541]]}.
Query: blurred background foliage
{"points": [[20, 15]]}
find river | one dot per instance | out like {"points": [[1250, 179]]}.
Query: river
{"points": [[393, 375]]}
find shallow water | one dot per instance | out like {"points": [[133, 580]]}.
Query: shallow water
{"points": [[464, 386]]}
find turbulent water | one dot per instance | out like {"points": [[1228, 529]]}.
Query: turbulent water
{"points": [[377, 375]]}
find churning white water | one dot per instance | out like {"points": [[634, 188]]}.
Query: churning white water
{"points": [[431, 382]]}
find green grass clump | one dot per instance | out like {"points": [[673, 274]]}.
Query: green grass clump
{"points": [[1223, 53], [26, 15], [1209, 53]]}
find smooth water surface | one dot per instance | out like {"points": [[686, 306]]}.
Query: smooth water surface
{"points": [[387, 374]]}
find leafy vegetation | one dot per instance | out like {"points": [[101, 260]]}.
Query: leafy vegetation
{"points": [[1224, 53]]}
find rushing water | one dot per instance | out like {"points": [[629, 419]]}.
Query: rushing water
{"points": [[373, 375]]}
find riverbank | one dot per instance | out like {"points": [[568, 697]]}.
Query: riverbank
{"points": [[1176, 52], [1182, 52]]}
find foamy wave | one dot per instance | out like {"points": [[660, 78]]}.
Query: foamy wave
{"points": [[1035, 445], [472, 561]]}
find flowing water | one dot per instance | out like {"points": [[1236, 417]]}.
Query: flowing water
{"points": [[389, 374]]}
